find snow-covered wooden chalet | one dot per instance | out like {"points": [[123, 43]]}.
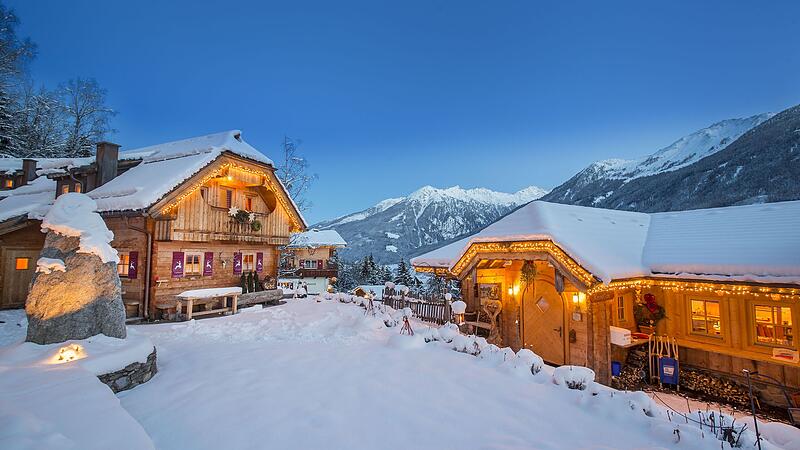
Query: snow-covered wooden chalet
{"points": [[189, 214], [726, 279]]}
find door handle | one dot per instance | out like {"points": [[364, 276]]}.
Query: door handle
{"points": [[558, 330]]}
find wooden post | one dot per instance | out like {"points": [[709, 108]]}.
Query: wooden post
{"points": [[235, 303], [189, 308]]}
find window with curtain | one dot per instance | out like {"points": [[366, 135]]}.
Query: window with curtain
{"points": [[706, 317], [193, 263], [123, 264], [773, 325]]}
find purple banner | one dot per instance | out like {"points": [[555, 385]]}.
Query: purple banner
{"points": [[208, 265], [133, 264], [259, 262], [237, 262], [177, 264]]}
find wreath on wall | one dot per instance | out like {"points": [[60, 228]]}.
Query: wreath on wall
{"points": [[648, 313]]}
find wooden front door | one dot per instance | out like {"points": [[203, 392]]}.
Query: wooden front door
{"points": [[19, 267], [543, 326]]}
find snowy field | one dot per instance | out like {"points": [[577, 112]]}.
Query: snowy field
{"points": [[321, 375]]}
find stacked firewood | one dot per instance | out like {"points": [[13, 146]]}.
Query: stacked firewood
{"points": [[716, 388], [634, 372]]}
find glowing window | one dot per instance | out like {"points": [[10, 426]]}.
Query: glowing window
{"points": [[248, 261], [64, 188], [621, 308], [193, 263], [22, 263], [773, 324], [706, 317], [8, 183], [78, 187], [123, 264]]}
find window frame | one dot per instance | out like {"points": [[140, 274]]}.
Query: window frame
{"points": [[123, 266], [8, 183], [722, 325], [622, 314], [753, 324], [200, 263], [77, 187], [245, 254]]}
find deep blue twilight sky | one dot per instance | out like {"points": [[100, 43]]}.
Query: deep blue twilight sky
{"points": [[390, 97]]}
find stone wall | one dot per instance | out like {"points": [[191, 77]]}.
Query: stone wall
{"points": [[132, 375]]}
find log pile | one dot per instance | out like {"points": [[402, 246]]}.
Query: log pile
{"points": [[633, 375], [717, 388]]}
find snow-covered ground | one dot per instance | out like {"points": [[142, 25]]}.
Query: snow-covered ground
{"points": [[311, 374]]}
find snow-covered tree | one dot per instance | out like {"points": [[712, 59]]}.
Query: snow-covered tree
{"points": [[87, 116], [293, 171], [39, 124], [403, 276]]}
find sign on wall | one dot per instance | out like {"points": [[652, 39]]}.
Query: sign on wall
{"points": [[208, 265], [237, 262], [259, 262], [177, 264], [133, 264]]}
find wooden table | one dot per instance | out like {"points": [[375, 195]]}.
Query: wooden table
{"points": [[207, 296]]}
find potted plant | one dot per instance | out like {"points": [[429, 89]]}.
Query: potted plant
{"points": [[648, 313]]}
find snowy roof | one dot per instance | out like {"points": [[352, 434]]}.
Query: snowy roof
{"points": [[163, 168], [33, 199], [317, 238], [743, 243]]}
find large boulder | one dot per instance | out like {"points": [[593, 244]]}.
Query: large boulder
{"points": [[76, 292]]}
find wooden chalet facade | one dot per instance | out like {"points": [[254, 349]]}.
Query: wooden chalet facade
{"points": [[732, 301], [171, 212]]}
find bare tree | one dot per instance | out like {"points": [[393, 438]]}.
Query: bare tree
{"points": [[40, 124], [15, 53], [87, 116], [293, 171]]}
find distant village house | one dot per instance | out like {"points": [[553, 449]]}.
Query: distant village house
{"points": [[309, 261]]}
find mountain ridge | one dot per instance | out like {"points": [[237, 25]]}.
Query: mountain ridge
{"points": [[396, 228]]}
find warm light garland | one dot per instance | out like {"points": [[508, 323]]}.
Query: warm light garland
{"points": [[776, 293], [597, 287], [296, 222], [521, 247]]}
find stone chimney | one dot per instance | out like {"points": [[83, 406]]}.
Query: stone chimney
{"points": [[28, 170], [107, 159]]}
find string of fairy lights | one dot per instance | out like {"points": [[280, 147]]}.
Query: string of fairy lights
{"points": [[524, 246], [226, 168], [596, 287]]}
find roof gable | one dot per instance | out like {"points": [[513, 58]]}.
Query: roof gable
{"points": [[743, 243]]}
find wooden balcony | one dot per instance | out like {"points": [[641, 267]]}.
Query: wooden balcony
{"points": [[329, 270], [215, 224]]}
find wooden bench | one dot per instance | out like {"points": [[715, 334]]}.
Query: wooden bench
{"points": [[207, 297]]}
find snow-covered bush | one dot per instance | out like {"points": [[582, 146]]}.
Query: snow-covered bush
{"points": [[573, 377], [448, 332], [389, 285], [530, 361]]}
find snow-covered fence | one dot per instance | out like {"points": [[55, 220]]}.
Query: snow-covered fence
{"points": [[438, 311]]}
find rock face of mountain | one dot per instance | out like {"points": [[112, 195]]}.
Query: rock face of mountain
{"points": [[597, 184], [399, 228], [757, 165]]}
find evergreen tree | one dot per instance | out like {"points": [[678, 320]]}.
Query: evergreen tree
{"points": [[385, 275], [403, 276]]}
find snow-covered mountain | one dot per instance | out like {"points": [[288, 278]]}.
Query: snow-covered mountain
{"points": [[757, 165], [594, 185], [402, 227]]}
